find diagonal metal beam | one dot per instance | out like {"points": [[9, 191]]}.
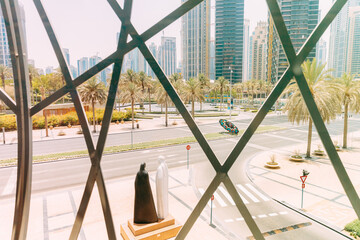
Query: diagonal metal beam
{"points": [[200, 206], [7, 100], [328, 144], [95, 173], [278, 89], [152, 31], [167, 86], [243, 209]]}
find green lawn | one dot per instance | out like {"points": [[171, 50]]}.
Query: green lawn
{"points": [[143, 145]]}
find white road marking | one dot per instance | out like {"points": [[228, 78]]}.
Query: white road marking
{"points": [[283, 213], [249, 194], [171, 155], [253, 217], [252, 188], [219, 199], [229, 220], [202, 191], [262, 216], [227, 195], [282, 137], [146, 151], [10, 185], [239, 219], [273, 214]]}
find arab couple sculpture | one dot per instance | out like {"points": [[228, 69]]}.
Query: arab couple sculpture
{"points": [[144, 211]]}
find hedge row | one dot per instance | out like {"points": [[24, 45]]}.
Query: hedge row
{"points": [[9, 121]]}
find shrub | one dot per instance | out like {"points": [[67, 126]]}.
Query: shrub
{"points": [[70, 118], [8, 121], [353, 227], [38, 122], [54, 120]]}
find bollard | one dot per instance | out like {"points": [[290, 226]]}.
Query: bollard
{"points": [[137, 125], [3, 130]]}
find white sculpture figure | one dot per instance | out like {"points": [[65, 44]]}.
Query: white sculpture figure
{"points": [[162, 189]]}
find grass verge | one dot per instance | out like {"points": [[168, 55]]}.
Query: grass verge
{"points": [[136, 146]]}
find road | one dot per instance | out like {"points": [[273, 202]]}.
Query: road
{"points": [[269, 215]]}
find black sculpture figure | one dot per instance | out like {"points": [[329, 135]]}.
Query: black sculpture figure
{"points": [[144, 211]]}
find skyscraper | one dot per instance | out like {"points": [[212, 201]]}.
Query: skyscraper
{"points": [[338, 44], [94, 60], [229, 37], [167, 55], [300, 18], [153, 50], [83, 65], [4, 43], [353, 46], [321, 51], [66, 53], [195, 34], [246, 50], [258, 52]]}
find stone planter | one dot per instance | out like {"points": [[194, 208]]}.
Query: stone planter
{"points": [[296, 159], [273, 165], [319, 153]]}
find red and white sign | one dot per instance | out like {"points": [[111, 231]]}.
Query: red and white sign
{"points": [[303, 178], [212, 198], [188, 147]]}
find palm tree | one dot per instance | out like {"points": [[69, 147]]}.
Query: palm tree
{"points": [[163, 98], [174, 77], [130, 92], [144, 82], [324, 91], [222, 85], [43, 85], [239, 88], [193, 92], [5, 72], [204, 85], [33, 73], [150, 89], [350, 90], [93, 91]]}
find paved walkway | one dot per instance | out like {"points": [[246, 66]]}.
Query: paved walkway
{"points": [[324, 196]]}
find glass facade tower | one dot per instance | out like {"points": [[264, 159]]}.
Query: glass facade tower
{"points": [[229, 37]]}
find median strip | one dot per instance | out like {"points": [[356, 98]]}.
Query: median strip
{"points": [[135, 146]]}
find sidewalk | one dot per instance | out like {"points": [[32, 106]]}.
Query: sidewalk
{"points": [[144, 124], [324, 196], [52, 213]]}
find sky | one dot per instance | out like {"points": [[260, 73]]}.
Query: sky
{"points": [[89, 27]]}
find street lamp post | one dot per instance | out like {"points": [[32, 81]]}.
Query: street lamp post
{"points": [[231, 71]]}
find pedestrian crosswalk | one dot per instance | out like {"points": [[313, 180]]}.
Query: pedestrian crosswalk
{"points": [[247, 192], [229, 220]]}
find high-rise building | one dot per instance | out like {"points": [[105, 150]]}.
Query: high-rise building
{"points": [[301, 17], [5, 58], [246, 50], [229, 37], [74, 71], [153, 50], [353, 45], [212, 60], [195, 36], [49, 70], [66, 53], [103, 74], [82, 65], [321, 51], [94, 60], [250, 56], [258, 51], [338, 39], [167, 55]]}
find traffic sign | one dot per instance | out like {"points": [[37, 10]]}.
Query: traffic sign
{"points": [[212, 198], [188, 147], [303, 178], [303, 185]]}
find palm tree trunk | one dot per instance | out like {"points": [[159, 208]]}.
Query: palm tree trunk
{"points": [[309, 138], [346, 112], [222, 100], [93, 109], [192, 107], [3, 79], [149, 100], [166, 112], [132, 114]]}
